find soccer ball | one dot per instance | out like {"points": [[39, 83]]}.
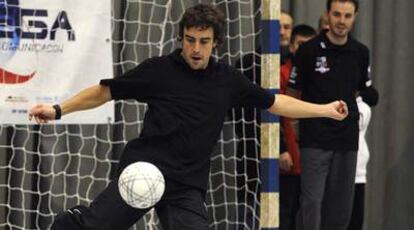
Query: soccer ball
{"points": [[141, 185]]}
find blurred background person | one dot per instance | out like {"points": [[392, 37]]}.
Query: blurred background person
{"points": [[323, 23], [366, 99], [332, 66], [289, 160], [286, 26]]}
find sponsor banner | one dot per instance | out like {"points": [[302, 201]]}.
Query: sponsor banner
{"points": [[49, 51]]}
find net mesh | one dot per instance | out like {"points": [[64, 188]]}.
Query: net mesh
{"points": [[49, 168]]}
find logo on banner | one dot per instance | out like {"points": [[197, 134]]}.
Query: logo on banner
{"points": [[16, 99], [24, 31]]}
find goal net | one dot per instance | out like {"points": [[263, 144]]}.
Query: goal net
{"points": [[49, 168]]}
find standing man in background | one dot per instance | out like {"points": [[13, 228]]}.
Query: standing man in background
{"points": [[323, 23], [333, 66], [289, 160], [286, 25], [366, 99]]}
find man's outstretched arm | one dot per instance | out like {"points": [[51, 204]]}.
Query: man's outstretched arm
{"points": [[290, 107], [86, 99]]}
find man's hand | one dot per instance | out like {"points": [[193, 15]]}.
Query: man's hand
{"points": [[88, 98], [337, 110], [285, 162], [42, 113]]}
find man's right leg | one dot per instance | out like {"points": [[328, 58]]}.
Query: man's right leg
{"points": [[315, 165], [183, 208], [339, 191], [107, 212]]}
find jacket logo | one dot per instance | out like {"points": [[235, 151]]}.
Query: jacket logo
{"points": [[322, 65], [293, 74]]}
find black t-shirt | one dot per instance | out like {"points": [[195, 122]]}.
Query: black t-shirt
{"points": [[325, 72], [186, 111]]}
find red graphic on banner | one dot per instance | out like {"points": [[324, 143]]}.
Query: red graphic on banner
{"points": [[7, 77]]}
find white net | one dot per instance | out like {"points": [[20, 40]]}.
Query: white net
{"points": [[49, 168]]}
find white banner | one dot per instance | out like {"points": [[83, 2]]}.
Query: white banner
{"points": [[50, 50]]}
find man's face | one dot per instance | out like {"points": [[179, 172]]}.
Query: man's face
{"points": [[286, 24], [299, 40], [341, 18], [198, 44]]}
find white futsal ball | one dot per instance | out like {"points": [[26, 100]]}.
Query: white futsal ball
{"points": [[141, 185]]}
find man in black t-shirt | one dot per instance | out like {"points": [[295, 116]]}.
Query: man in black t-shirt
{"points": [[332, 66], [188, 95]]}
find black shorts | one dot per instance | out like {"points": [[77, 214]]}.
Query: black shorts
{"points": [[182, 207]]}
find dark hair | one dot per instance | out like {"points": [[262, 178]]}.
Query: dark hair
{"points": [[329, 4], [285, 12], [302, 30], [203, 16]]}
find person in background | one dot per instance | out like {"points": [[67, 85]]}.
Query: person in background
{"points": [[289, 160], [286, 25], [333, 65], [323, 23], [367, 98]]}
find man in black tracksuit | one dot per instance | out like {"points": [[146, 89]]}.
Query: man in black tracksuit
{"points": [[332, 66], [188, 95]]}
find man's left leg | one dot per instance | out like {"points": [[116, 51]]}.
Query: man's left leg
{"points": [[338, 198]]}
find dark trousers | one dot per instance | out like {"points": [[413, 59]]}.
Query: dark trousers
{"points": [[327, 186], [357, 218], [289, 200], [182, 207]]}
